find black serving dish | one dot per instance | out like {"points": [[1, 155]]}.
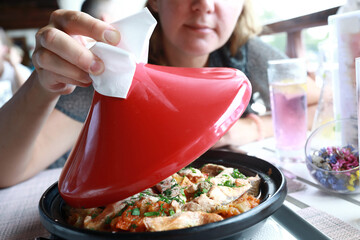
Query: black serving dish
{"points": [[273, 193]]}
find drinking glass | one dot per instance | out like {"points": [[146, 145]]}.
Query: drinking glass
{"points": [[287, 81]]}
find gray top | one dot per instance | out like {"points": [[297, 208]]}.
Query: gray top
{"points": [[252, 60], [258, 56]]}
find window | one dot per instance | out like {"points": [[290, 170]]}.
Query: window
{"points": [[278, 10]]}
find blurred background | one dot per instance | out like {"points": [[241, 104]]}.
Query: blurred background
{"points": [[295, 27], [276, 11]]}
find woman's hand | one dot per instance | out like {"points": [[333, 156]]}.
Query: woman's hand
{"points": [[62, 62], [13, 57]]}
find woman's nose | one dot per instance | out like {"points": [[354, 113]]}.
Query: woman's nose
{"points": [[206, 6]]}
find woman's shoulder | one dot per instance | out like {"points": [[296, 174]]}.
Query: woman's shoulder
{"points": [[262, 51]]}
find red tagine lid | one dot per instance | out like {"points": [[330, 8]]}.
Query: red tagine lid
{"points": [[170, 117]]}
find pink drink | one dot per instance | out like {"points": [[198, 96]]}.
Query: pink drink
{"points": [[289, 113]]}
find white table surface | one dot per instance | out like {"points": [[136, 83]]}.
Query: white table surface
{"points": [[336, 216]]}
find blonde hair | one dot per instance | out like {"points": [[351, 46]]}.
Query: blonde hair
{"points": [[246, 27], [4, 38]]}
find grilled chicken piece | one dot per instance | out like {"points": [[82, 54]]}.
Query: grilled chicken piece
{"points": [[201, 203], [180, 220], [193, 174], [77, 215], [170, 188], [255, 185], [217, 195], [186, 182], [212, 169], [176, 206], [221, 174], [225, 195], [98, 222], [222, 177], [183, 181], [224, 189], [109, 212], [165, 184], [240, 205]]}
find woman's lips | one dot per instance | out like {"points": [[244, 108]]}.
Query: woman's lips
{"points": [[199, 28]]}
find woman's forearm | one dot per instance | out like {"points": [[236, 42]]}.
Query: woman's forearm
{"points": [[21, 120], [246, 130], [19, 78]]}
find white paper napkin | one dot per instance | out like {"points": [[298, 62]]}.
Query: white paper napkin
{"points": [[120, 61]]}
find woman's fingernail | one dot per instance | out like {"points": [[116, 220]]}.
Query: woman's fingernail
{"points": [[96, 67], [112, 36]]}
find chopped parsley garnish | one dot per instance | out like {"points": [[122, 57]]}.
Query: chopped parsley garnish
{"points": [[228, 183], [94, 215], [171, 212], [162, 210], [146, 193], [135, 212], [182, 191], [150, 214], [192, 170], [237, 174], [133, 226], [166, 196], [208, 180], [127, 212], [120, 212], [168, 192], [199, 192], [108, 220]]}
